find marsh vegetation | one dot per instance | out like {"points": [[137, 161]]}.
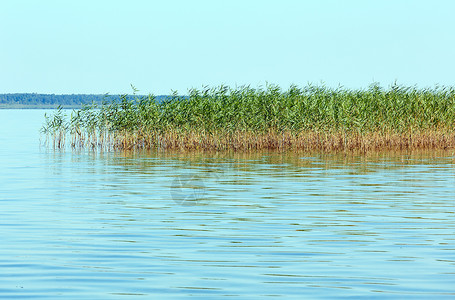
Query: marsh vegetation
{"points": [[308, 118]]}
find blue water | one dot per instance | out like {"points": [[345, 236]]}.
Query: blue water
{"points": [[156, 225]]}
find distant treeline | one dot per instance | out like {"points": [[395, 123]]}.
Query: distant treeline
{"points": [[32, 100]]}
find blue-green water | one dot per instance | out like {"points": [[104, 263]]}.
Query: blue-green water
{"points": [[163, 225]]}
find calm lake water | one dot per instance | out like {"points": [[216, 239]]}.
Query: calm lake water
{"points": [[162, 225]]}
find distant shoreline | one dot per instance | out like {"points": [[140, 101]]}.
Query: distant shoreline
{"points": [[66, 101], [32, 106]]}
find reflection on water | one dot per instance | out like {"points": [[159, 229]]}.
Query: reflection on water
{"points": [[157, 225]]}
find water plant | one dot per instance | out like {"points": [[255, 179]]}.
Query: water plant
{"points": [[245, 118]]}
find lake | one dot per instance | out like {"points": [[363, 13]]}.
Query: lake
{"points": [[156, 225]]}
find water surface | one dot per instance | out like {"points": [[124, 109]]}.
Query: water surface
{"points": [[168, 225]]}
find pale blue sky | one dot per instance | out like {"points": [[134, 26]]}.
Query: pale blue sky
{"points": [[100, 46]]}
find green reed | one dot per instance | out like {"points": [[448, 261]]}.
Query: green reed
{"points": [[223, 110]]}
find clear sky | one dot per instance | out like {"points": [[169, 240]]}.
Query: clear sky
{"points": [[100, 46]]}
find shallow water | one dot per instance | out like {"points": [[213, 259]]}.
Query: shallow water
{"points": [[156, 225]]}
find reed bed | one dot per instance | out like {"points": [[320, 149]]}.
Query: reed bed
{"points": [[312, 118]]}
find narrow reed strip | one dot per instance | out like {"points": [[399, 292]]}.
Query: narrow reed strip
{"points": [[246, 119]]}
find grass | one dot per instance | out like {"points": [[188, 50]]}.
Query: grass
{"points": [[313, 118]]}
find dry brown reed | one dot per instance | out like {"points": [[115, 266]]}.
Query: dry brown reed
{"points": [[277, 141]]}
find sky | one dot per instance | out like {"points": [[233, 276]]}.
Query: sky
{"points": [[104, 46]]}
